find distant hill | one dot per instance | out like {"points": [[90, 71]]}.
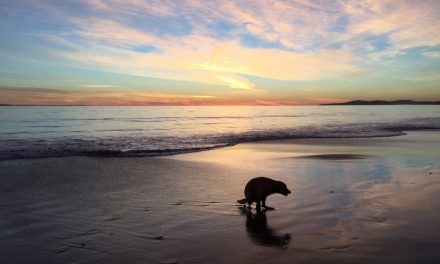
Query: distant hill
{"points": [[382, 102]]}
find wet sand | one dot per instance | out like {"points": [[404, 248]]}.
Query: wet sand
{"points": [[372, 200]]}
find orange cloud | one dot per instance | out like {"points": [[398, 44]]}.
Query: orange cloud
{"points": [[237, 83], [40, 96]]}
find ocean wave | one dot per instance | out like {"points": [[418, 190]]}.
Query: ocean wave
{"points": [[149, 146]]}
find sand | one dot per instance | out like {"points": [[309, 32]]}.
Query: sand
{"points": [[372, 200]]}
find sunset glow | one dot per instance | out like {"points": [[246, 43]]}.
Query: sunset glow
{"points": [[137, 52]]}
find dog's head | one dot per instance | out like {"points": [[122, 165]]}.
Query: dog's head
{"points": [[281, 187]]}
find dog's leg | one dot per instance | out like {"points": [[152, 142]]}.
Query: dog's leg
{"points": [[265, 206], [258, 205]]}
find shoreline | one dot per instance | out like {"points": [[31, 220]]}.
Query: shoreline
{"points": [[152, 153]]}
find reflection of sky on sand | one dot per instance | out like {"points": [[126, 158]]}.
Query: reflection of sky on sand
{"points": [[423, 144], [339, 204], [370, 198]]}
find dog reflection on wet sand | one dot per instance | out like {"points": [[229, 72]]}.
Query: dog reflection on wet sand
{"points": [[260, 233]]}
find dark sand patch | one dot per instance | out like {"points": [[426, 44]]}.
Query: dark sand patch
{"points": [[334, 157]]}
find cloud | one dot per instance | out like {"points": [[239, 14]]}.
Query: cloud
{"points": [[306, 37], [132, 7], [44, 96], [425, 76], [299, 25], [389, 53], [314, 29], [111, 32], [98, 86], [200, 58], [432, 54], [236, 82], [407, 24]]}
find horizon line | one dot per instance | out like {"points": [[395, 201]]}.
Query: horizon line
{"points": [[267, 103]]}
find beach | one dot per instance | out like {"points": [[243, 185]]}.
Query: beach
{"points": [[354, 200]]}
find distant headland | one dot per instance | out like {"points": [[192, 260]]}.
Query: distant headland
{"points": [[382, 102]]}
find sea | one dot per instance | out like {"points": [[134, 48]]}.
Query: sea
{"points": [[56, 131]]}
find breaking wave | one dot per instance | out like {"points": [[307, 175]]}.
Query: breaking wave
{"points": [[146, 144]]}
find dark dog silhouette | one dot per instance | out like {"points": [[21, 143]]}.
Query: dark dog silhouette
{"points": [[259, 188]]}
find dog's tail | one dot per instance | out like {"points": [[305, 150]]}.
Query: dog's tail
{"points": [[242, 201]]}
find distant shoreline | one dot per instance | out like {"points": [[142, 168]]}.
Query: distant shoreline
{"points": [[382, 102]]}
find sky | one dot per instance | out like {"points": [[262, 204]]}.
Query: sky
{"points": [[215, 52]]}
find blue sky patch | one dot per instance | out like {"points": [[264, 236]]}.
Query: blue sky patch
{"points": [[223, 29], [146, 49], [252, 41]]}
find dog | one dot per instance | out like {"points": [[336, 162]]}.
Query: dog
{"points": [[259, 188]]}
